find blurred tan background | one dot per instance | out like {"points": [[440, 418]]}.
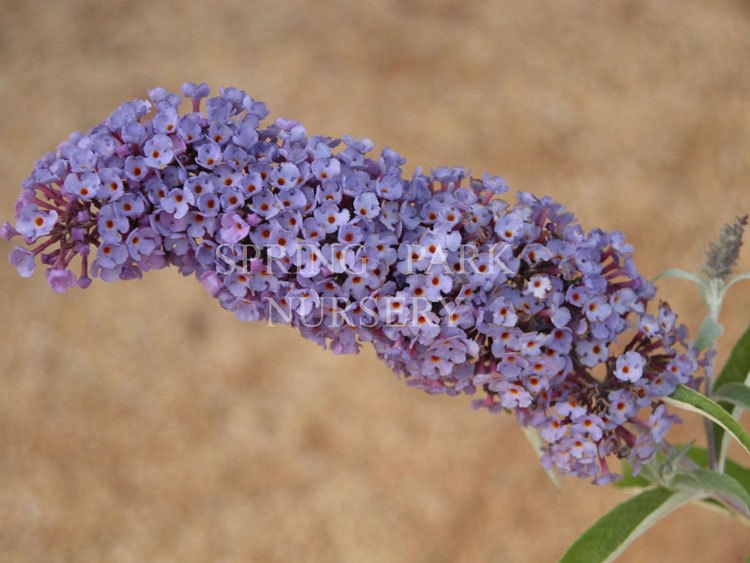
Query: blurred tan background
{"points": [[140, 422]]}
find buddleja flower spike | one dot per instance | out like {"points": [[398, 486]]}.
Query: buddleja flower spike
{"points": [[458, 291]]}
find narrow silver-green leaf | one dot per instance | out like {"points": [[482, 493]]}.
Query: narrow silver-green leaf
{"points": [[709, 331], [733, 469], [680, 274], [720, 437], [617, 529], [715, 484], [699, 456], [736, 278], [691, 400], [738, 365], [532, 435], [736, 393]]}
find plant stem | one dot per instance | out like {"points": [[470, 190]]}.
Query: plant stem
{"points": [[714, 296]]}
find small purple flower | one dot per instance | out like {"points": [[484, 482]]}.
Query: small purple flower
{"points": [[648, 325], [621, 405], [130, 205], [158, 151], [110, 255], [231, 199], [265, 204], [576, 296], [177, 202], [85, 187], [366, 205], [553, 430], [582, 449], [196, 92], [189, 129], [23, 260], [282, 243], [209, 204], [163, 98], [513, 396], [133, 132], [233, 228], [7, 232], [165, 121], [660, 422], [597, 308], [534, 253], [494, 184], [136, 168], [571, 408], [286, 176], [141, 242], [209, 155], [326, 169], [330, 217], [33, 223], [82, 160], [592, 352], [590, 426], [218, 109], [200, 184], [509, 227], [246, 135], [112, 226], [60, 280], [111, 184], [629, 367], [350, 234], [199, 225], [219, 133], [251, 184], [390, 188], [437, 284], [503, 313], [539, 286]]}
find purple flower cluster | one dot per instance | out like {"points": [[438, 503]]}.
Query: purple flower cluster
{"points": [[457, 290]]}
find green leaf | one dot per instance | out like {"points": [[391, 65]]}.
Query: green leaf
{"points": [[699, 456], [736, 370], [736, 393], [709, 331], [617, 529], [680, 274], [740, 474], [532, 435], [711, 483], [733, 469], [737, 367], [691, 400]]}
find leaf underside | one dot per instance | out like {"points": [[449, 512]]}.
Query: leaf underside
{"points": [[692, 400]]}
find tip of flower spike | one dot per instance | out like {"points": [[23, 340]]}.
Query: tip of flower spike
{"points": [[723, 254], [205, 190]]}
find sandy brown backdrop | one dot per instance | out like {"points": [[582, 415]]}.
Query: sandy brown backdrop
{"points": [[140, 422]]}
